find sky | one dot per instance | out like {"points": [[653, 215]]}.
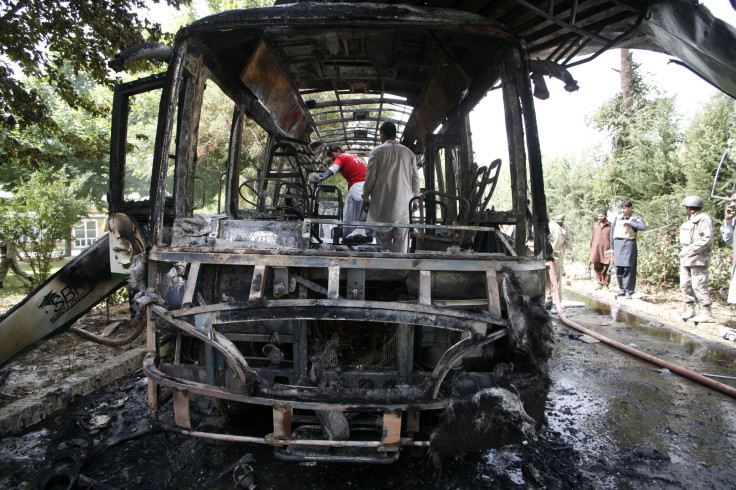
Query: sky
{"points": [[563, 129], [562, 119]]}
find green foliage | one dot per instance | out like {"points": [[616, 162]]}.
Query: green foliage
{"points": [[705, 142], [644, 163], [658, 257], [719, 272], [652, 163], [659, 262], [55, 42], [570, 185], [43, 211]]}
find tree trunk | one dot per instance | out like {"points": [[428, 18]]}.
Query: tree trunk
{"points": [[627, 82]]}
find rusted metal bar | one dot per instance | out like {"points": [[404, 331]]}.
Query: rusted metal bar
{"points": [[258, 283], [356, 284], [181, 409], [454, 355], [562, 22], [405, 262], [425, 287], [515, 136], [153, 398], [217, 340], [505, 242], [391, 434], [405, 225], [333, 282], [308, 397], [379, 445], [191, 284], [494, 299], [536, 178], [334, 305], [281, 422], [405, 336]]}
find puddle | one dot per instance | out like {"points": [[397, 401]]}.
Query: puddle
{"points": [[656, 339]]}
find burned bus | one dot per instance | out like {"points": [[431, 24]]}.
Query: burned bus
{"points": [[241, 269], [358, 351]]}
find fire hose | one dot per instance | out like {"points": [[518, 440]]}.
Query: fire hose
{"points": [[685, 373], [112, 342]]}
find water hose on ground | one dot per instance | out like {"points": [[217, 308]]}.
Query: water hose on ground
{"points": [[111, 342], [685, 373]]}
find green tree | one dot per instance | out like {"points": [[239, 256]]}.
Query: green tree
{"points": [[55, 42], [643, 164], [705, 142], [81, 146], [42, 212], [568, 182]]}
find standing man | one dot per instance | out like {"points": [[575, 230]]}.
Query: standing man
{"points": [[600, 249], [696, 238], [623, 238], [9, 260], [561, 239], [727, 233], [352, 168], [390, 183]]}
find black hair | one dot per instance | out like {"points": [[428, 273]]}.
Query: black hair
{"points": [[389, 129], [627, 204]]}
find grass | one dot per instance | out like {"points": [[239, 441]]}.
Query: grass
{"points": [[16, 288]]}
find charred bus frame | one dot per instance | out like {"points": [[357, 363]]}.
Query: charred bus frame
{"points": [[358, 351]]}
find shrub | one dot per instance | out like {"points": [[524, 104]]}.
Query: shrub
{"points": [[658, 259], [659, 262], [42, 212]]}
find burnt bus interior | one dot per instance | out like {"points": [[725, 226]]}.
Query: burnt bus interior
{"points": [[252, 294]]}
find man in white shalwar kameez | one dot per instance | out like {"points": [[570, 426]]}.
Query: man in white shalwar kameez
{"points": [[727, 232], [391, 181]]}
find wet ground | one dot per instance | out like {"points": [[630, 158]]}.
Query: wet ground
{"points": [[612, 422]]}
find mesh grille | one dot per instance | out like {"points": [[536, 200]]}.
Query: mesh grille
{"points": [[383, 355], [383, 358]]}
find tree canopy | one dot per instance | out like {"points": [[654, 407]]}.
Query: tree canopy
{"points": [[57, 43]]}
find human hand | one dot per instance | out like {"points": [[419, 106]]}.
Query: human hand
{"points": [[316, 180], [365, 206], [415, 206]]}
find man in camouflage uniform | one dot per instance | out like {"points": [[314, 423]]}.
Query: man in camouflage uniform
{"points": [[696, 238], [561, 240]]}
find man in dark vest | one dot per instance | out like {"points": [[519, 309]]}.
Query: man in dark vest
{"points": [[623, 240]]}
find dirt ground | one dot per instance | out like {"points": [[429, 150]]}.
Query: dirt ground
{"points": [[46, 367]]}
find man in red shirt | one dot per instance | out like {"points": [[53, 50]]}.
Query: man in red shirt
{"points": [[352, 168]]}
